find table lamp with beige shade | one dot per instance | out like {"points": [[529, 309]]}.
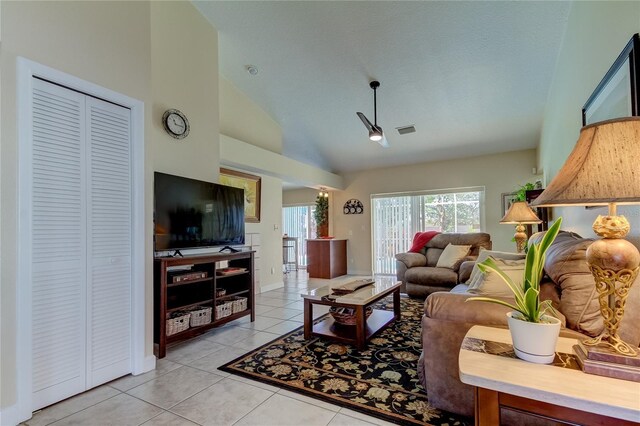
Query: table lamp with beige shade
{"points": [[520, 214], [604, 170]]}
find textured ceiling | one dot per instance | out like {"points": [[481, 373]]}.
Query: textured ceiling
{"points": [[473, 77]]}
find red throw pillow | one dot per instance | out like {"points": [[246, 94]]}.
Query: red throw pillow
{"points": [[421, 239]]}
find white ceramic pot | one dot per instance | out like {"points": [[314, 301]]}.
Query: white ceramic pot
{"points": [[534, 342]]}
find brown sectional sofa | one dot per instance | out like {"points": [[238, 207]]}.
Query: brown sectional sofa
{"points": [[447, 318], [418, 271]]}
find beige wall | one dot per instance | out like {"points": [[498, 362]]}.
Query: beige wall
{"points": [[497, 173], [245, 126], [184, 76], [243, 119], [184, 70], [114, 45], [596, 34], [294, 197], [250, 141]]}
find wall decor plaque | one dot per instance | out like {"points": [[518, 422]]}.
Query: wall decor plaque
{"points": [[353, 206]]}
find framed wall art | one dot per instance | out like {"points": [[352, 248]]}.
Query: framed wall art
{"points": [[617, 94], [251, 186]]}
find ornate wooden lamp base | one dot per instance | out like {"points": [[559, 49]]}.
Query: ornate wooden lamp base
{"points": [[521, 237], [614, 263]]}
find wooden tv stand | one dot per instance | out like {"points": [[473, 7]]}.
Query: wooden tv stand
{"points": [[199, 289]]}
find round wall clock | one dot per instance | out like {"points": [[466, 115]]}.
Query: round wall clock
{"points": [[175, 123]]}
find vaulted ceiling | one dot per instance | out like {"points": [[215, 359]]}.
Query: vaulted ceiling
{"points": [[473, 77]]}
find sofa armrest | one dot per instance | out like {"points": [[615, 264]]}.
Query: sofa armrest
{"points": [[454, 307], [411, 259], [438, 365], [405, 261], [465, 271]]}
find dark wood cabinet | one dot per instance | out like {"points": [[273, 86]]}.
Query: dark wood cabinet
{"points": [[183, 283], [326, 258]]}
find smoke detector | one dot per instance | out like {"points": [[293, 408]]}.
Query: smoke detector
{"points": [[252, 69]]}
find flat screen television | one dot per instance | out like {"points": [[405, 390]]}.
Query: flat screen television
{"points": [[191, 213]]}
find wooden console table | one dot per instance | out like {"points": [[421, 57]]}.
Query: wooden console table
{"points": [[326, 258], [560, 392]]}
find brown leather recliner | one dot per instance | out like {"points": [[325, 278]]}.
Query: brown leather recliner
{"points": [[418, 271], [447, 318]]}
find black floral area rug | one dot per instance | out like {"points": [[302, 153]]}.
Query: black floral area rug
{"points": [[381, 381]]}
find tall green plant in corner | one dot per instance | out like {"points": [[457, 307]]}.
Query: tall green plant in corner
{"points": [[527, 294], [321, 213]]}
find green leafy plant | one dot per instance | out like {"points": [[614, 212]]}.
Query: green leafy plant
{"points": [[521, 193], [527, 296], [321, 213]]}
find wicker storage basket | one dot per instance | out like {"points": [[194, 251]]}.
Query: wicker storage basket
{"points": [[200, 315], [179, 322], [239, 304], [224, 309], [347, 316]]}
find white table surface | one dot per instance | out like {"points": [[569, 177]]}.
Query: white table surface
{"points": [[555, 385], [361, 296]]}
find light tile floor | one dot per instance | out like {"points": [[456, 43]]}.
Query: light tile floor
{"points": [[186, 388]]}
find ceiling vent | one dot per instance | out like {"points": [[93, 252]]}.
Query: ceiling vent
{"points": [[406, 129]]}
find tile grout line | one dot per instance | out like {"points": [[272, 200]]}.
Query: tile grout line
{"points": [[86, 408], [255, 408]]}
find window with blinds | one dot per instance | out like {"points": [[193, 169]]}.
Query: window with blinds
{"points": [[298, 222], [397, 217]]}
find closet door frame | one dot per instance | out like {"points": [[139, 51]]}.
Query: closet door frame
{"points": [[26, 71]]}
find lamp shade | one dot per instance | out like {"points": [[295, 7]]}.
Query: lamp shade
{"points": [[603, 168], [519, 212]]}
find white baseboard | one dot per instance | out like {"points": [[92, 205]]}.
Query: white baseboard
{"points": [[270, 287], [366, 273], [9, 416], [149, 363]]}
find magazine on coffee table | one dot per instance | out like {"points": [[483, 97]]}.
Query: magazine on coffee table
{"points": [[352, 286]]}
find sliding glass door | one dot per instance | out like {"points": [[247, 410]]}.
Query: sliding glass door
{"points": [[298, 222], [397, 217]]}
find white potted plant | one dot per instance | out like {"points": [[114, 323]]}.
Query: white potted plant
{"points": [[534, 333]]}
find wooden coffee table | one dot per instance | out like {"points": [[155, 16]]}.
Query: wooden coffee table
{"points": [[365, 328]]}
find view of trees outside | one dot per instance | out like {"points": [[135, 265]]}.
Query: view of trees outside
{"points": [[396, 219]]}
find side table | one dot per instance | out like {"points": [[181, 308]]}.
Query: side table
{"points": [[559, 391]]}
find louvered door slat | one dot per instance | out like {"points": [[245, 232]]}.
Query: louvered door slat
{"points": [[109, 241], [58, 262]]}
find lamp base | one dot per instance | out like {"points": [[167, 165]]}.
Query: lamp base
{"points": [[606, 362], [613, 261], [520, 237]]}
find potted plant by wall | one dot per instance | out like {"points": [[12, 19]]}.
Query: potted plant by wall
{"points": [[321, 215], [533, 331], [521, 193]]}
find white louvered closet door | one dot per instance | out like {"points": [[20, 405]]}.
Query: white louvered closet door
{"points": [[80, 242], [58, 239], [108, 241]]}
